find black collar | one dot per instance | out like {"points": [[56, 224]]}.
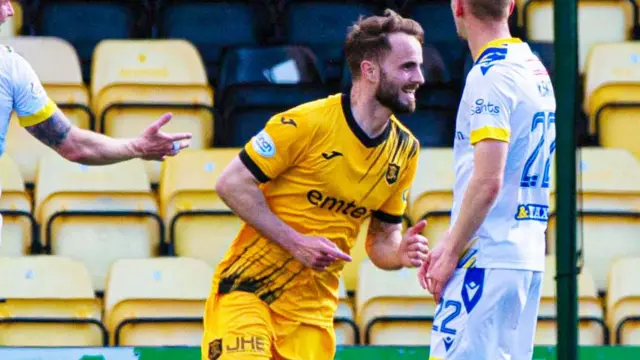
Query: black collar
{"points": [[357, 130]]}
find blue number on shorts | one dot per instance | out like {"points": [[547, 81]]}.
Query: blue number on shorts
{"points": [[532, 180], [457, 307]]}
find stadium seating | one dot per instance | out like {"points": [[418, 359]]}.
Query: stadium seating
{"points": [[392, 308], [611, 94], [199, 224], [592, 328], [48, 301], [136, 81], [156, 302], [347, 332], [614, 19], [257, 83], [96, 214], [322, 26], [622, 304], [215, 26], [431, 195], [608, 203], [18, 225], [63, 83], [85, 24]]}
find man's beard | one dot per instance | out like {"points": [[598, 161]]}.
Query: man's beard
{"points": [[388, 95]]}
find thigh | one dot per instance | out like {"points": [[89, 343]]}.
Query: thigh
{"points": [[478, 315], [297, 341], [526, 333], [237, 326]]}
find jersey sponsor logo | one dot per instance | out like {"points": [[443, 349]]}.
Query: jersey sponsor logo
{"points": [[483, 107], [263, 144], [331, 155], [534, 212], [288, 122], [247, 344], [392, 174], [339, 206]]}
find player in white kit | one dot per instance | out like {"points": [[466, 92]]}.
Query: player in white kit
{"points": [[22, 92], [486, 273]]}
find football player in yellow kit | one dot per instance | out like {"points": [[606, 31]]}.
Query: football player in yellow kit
{"points": [[303, 187]]}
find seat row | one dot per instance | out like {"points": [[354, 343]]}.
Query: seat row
{"points": [[101, 214], [48, 301]]}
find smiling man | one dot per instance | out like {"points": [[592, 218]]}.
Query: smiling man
{"points": [[303, 186]]}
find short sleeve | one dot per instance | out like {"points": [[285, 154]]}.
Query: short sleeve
{"points": [[393, 209], [491, 100], [278, 146], [30, 99]]}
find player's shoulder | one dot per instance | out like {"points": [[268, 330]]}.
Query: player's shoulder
{"points": [[405, 136], [312, 114]]}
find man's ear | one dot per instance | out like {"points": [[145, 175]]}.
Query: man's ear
{"points": [[370, 71]]}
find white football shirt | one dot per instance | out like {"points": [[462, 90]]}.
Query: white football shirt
{"points": [[20, 90], [509, 97]]}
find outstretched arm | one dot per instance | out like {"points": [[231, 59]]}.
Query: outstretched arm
{"points": [[91, 148]]}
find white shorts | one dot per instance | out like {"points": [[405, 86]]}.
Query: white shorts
{"points": [[487, 314]]}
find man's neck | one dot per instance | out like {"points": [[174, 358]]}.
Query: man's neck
{"points": [[372, 117], [480, 34]]}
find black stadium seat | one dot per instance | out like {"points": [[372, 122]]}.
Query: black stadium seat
{"points": [[258, 82], [214, 26], [322, 25]]}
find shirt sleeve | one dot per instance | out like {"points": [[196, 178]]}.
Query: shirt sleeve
{"points": [[30, 100], [492, 98], [279, 145], [393, 209]]}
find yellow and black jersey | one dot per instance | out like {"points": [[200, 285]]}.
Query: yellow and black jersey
{"points": [[322, 175]]}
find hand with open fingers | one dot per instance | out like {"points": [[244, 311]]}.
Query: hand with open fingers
{"points": [[153, 144], [414, 247], [437, 270], [317, 252]]}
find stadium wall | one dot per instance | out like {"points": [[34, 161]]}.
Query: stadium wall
{"points": [[343, 353]]}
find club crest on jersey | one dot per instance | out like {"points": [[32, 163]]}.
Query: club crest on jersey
{"points": [[215, 349], [392, 174], [534, 212]]}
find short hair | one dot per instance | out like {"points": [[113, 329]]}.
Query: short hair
{"points": [[368, 38], [489, 9]]}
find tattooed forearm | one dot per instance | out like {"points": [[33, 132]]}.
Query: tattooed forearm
{"points": [[53, 131]]}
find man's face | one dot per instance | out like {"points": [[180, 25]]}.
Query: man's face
{"points": [[6, 10], [400, 74]]}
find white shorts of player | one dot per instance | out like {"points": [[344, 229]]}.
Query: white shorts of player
{"points": [[487, 314]]}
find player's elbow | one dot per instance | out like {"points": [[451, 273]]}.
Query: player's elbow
{"points": [[491, 188], [72, 153]]}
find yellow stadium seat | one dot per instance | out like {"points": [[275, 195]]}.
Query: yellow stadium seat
{"points": [[156, 302], [13, 24], [614, 19], [18, 225], [608, 205], [592, 329], [199, 224], [392, 308], [347, 332], [62, 80], [623, 301], [431, 195], [611, 91], [48, 301], [97, 213], [135, 81]]}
